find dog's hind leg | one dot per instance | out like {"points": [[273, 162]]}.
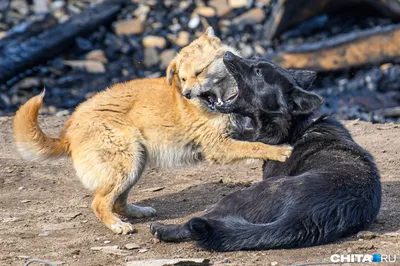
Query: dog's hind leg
{"points": [[121, 206], [171, 232], [111, 168]]}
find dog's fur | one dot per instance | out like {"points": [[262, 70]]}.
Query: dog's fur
{"points": [[112, 136], [329, 187]]}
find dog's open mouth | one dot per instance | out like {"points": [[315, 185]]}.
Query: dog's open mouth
{"points": [[212, 100]]}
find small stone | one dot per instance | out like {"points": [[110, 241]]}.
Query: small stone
{"points": [[23, 257], [25, 201], [143, 250], [131, 246], [221, 6], [393, 234], [107, 241], [126, 27], [182, 40], [205, 11], [150, 57], [166, 57], [253, 16], [366, 235], [21, 188], [154, 41], [89, 65], [11, 219], [263, 2], [56, 5], [194, 22], [99, 248], [153, 189], [97, 55], [237, 3], [44, 234], [274, 263]]}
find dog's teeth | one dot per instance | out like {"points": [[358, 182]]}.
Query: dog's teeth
{"points": [[220, 101]]}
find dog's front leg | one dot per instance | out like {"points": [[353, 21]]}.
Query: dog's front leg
{"points": [[229, 150]]}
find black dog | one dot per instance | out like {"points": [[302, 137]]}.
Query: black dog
{"points": [[329, 187]]}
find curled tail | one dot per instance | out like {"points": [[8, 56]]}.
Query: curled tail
{"points": [[30, 140]]}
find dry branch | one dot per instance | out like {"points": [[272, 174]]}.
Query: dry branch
{"points": [[373, 46], [51, 42]]}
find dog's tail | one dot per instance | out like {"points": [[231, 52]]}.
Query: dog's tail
{"points": [[234, 233], [30, 140]]}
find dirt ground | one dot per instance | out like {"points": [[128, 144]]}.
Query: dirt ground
{"points": [[45, 211]]}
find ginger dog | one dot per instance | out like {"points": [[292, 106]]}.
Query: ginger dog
{"points": [[115, 134]]}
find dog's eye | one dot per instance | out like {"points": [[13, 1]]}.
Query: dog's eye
{"points": [[258, 72]]}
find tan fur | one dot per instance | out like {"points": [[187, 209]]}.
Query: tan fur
{"points": [[112, 136]]}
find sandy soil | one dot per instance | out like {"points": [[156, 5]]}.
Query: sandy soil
{"points": [[45, 211]]}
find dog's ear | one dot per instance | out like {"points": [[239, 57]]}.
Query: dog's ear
{"points": [[209, 33], [171, 71], [303, 77], [305, 102]]}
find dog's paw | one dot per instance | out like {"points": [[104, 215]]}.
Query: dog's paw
{"points": [[283, 153], [134, 211], [156, 229], [120, 227]]}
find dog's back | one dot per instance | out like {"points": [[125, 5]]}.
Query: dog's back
{"points": [[328, 188]]}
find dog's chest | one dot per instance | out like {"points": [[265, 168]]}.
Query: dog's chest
{"points": [[169, 156]]}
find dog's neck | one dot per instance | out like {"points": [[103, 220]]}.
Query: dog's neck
{"points": [[280, 129]]}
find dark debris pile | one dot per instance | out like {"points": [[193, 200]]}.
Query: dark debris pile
{"points": [[147, 34]]}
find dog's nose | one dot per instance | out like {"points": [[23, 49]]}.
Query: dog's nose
{"points": [[228, 56], [187, 94]]}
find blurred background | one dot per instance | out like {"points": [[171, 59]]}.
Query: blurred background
{"points": [[75, 48]]}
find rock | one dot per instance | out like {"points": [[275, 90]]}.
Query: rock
{"points": [[154, 41], [162, 262], [112, 250], [89, 65], [143, 250], [194, 22], [253, 16], [11, 219], [131, 246], [237, 3], [56, 5], [392, 234], [166, 57], [263, 2], [274, 263], [182, 40], [107, 242], [221, 6], [150, 57], [27, 83], [153, 189], [44, 234], [205, 11], [40, 6], [23, 257], [366, 235], [97, 55], [25, 201], [126, 27]]}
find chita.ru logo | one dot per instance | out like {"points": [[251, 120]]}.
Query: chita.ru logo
{"points": [[359, 258]]}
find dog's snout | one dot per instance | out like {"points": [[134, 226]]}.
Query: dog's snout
{"points": [[187, 94], [228, 56]]}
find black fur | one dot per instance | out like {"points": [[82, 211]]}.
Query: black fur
{"points": [[329, 187]]}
